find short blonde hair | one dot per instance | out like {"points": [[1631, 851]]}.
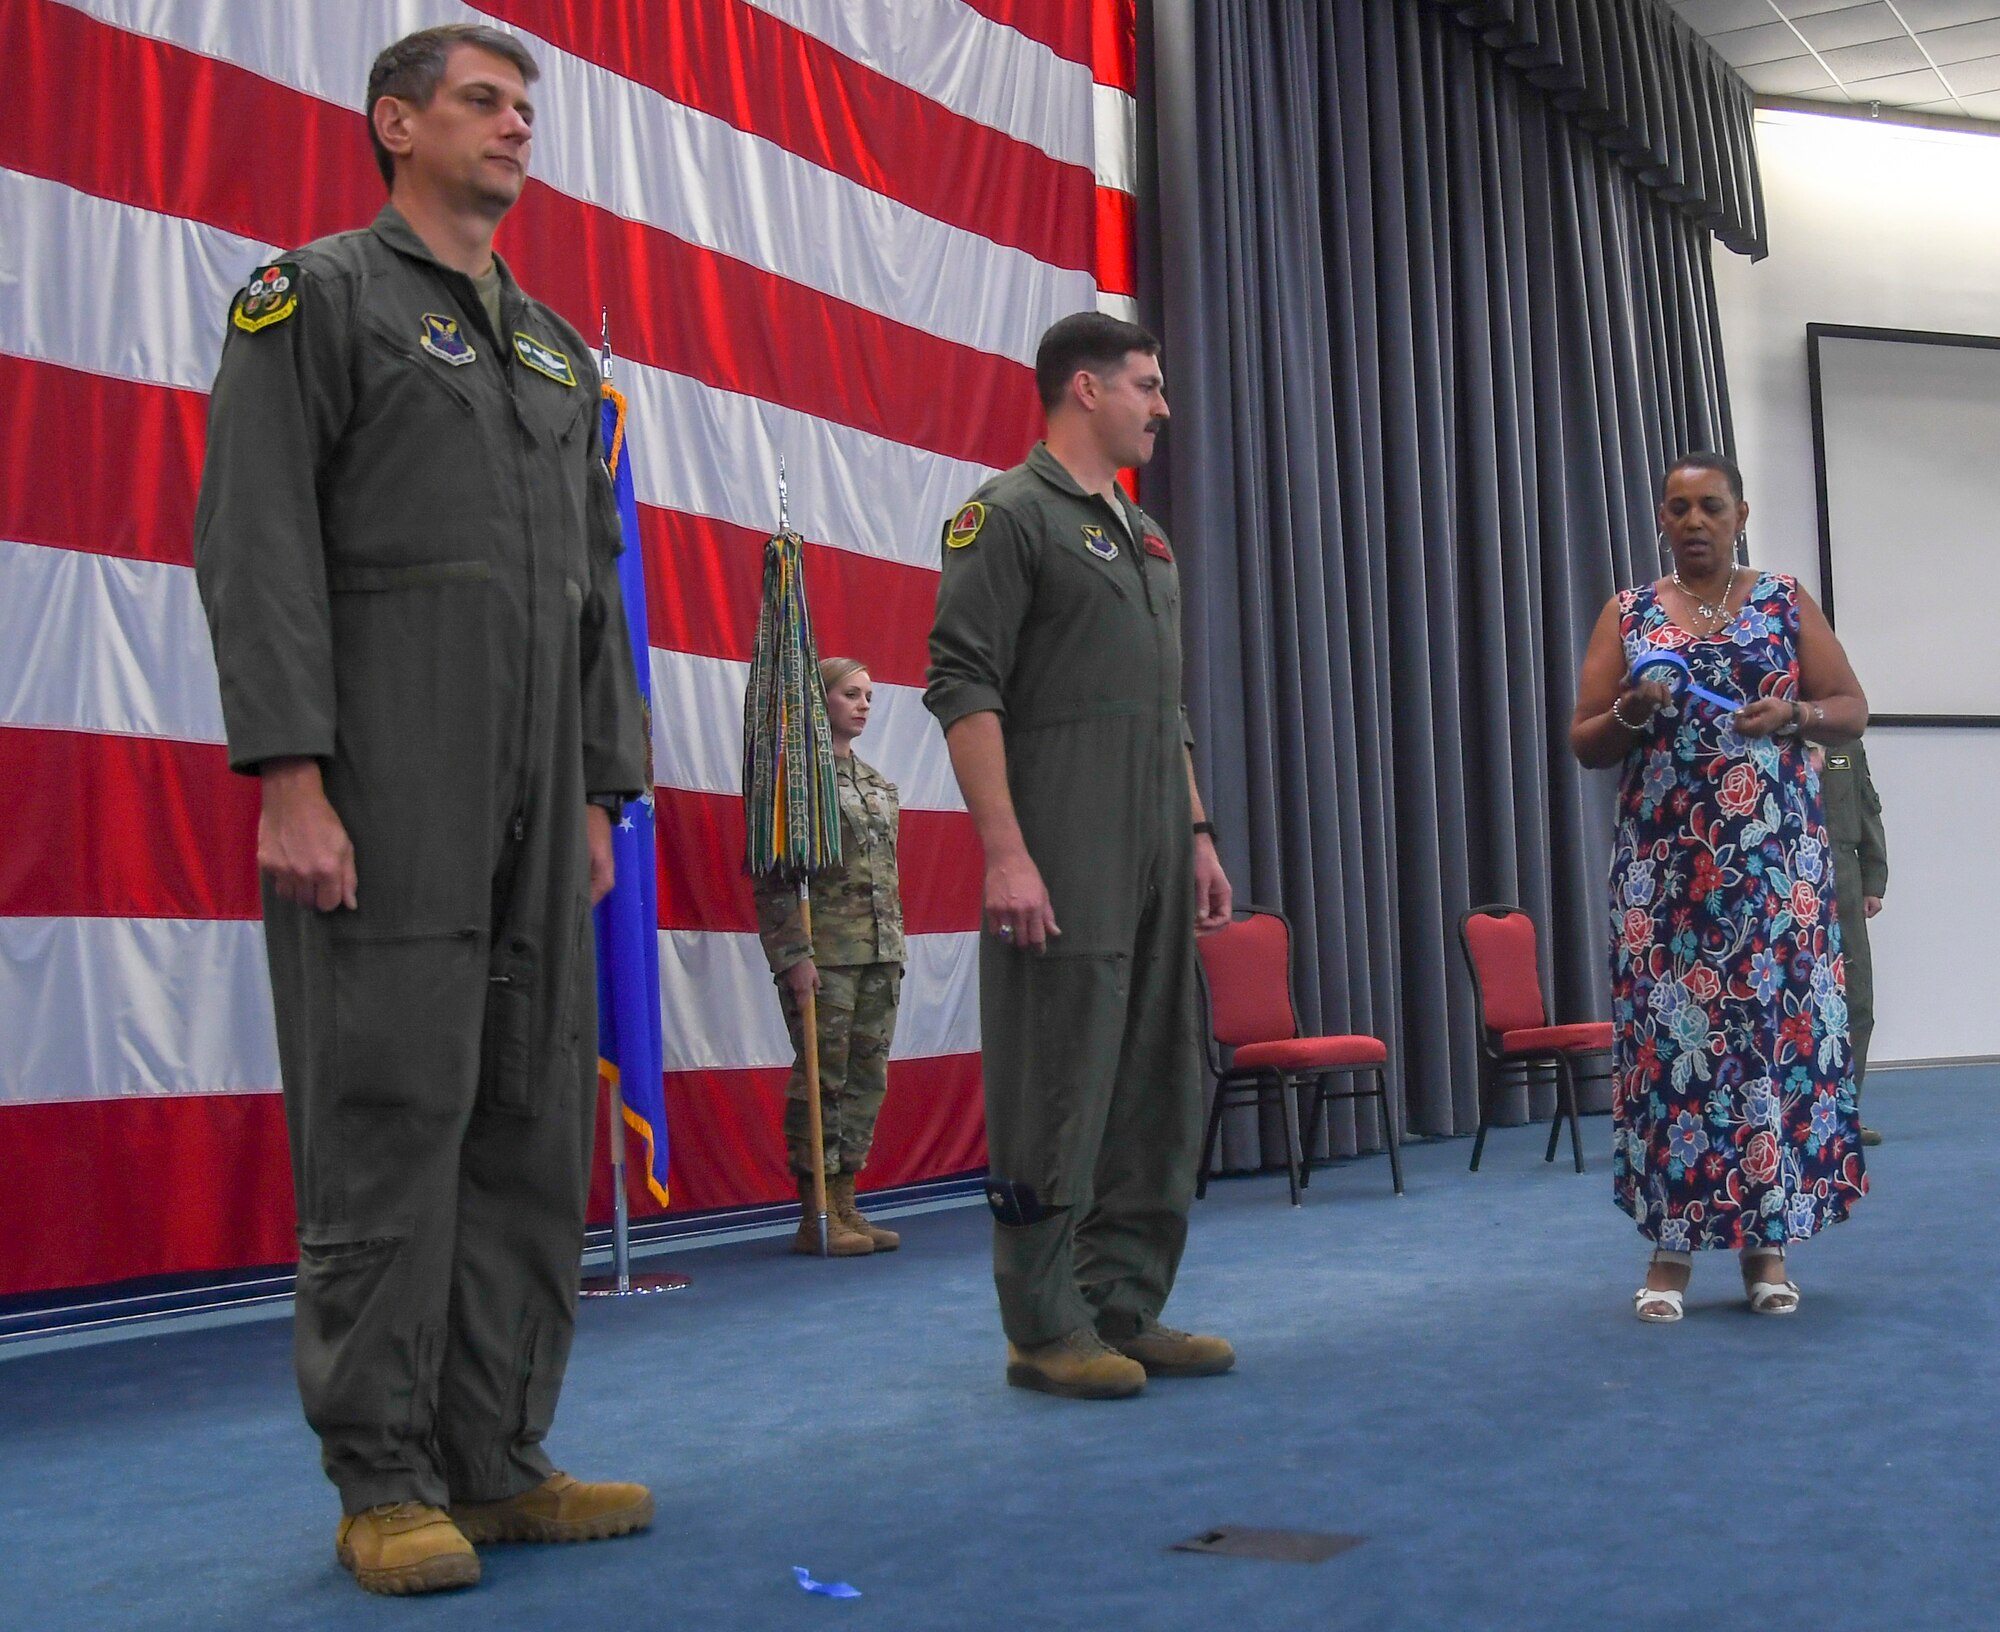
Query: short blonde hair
{"points": [[833, 670]]}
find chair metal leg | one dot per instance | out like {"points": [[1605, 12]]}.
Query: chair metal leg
{"points": [[1389, 1128], [1556, 1120], [1208, 1139], [1313, 1122], [1289, 1101], [1489, 1076], [1568, 1081]]}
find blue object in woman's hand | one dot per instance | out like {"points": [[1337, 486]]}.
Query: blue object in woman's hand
{"points": [[1679, 679]]}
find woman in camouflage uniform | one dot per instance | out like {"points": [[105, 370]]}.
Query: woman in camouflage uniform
{"points": [[854, 963]]}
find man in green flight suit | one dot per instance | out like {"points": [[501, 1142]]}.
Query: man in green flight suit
{"points": [[1860, 880], [406, 544], [1056, 674]]}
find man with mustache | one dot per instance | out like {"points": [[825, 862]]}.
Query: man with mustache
{"points": [[406, 545], [1056, 674]]}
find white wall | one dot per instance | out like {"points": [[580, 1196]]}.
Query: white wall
{"points": [[1890, 227]]}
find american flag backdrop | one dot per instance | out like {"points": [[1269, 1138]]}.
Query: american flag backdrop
{"points": [[827, 229]]}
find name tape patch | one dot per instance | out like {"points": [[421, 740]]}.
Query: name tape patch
{"points": [[543, 359]]}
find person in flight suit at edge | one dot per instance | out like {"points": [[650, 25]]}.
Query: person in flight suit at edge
{"points": [[1056, 674], [406, 546]]}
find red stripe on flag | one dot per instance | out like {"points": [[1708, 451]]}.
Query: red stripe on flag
{"points": [[932, 1124], [1100, 33], [1117, 242], [125, 827], [765, 77], [1114, 43], [99, 464], [674, 306], [703, 884], [704, 583], [108, 1190]]}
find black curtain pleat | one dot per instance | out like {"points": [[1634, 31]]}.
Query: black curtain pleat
{"points": [[1437, 305]]}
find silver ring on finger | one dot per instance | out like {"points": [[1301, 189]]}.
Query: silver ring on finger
{"points": [[1005, 932]]}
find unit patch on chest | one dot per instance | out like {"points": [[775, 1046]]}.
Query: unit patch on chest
{"points": [[543, 359], [1103, 548], [443, 341], [270, 297]]}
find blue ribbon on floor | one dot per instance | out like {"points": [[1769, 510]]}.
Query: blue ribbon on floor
{"points": [[828, 1589], [1684, 682]]}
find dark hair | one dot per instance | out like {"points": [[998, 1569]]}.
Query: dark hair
{"points": [[1720, 463], [1096, 341], [413, 69]]}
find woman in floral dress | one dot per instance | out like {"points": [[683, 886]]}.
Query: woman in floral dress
{"points": [[1733, 1101]]}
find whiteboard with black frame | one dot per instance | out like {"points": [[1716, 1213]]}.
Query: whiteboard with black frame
{"points": [[1906, 439]]}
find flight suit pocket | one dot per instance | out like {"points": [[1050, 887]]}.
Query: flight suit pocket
{"points": [[507, 1043], [393, 998]]}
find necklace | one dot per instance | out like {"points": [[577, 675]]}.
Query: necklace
{"points": [[1714, 614]]}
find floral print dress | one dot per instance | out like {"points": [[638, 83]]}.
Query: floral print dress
{"points": [[1733, 1098]]}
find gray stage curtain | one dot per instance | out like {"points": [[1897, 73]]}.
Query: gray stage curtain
{"points": [[1428, 339]]}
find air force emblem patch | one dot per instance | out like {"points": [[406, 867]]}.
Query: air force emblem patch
{"points": [[443, 341], [270, 297], [965, 526], [543, 359], [1103, 548]]}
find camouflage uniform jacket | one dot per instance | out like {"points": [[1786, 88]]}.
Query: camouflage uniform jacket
{"points": [[857, 907]]}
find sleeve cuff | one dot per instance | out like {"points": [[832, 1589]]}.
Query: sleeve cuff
{"points": [[952, 701]]}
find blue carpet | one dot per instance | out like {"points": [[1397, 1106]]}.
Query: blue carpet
{"points": [[1455, 1375]]}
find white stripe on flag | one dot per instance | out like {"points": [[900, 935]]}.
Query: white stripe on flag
{"points": [[700, 449], [698, 743], [965, 61], [615, 143], [97, 643], [1116, 118], [102, 1008], [719, 1007]]}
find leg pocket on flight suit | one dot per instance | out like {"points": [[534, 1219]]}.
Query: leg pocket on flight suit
{"points": [[394, 997], [356, 1369], [1051, 1045], [507, 1041]]}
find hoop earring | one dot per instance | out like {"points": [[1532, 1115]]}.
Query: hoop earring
{"points": [[1666, 555]]}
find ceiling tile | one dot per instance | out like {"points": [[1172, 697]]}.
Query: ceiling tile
{"points": [[1744, 47], [1923, 14], [1851, 25], [1811, 8], [1962, 44], [1719, 16], [1854, 62], [1983, 107], [1795, 76], [1975, 78], [1899, 90]]}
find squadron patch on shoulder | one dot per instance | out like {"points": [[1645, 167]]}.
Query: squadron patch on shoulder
{"points": [[1105, 549], [543, 359], [965, 526], [269, 297], [443, 341]]}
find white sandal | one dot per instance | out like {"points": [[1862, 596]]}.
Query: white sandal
{"points": [[1771, 1297], [1668, 1298]]}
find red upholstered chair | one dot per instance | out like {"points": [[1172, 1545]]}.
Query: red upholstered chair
{"points": [[1514, 1027], [1255, 1049]]}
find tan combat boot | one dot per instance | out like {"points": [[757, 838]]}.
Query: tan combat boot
{"points": [[840, 1199], [1163, 1351], [841, 1240], [558, 1509], [405, 1547], [1077, 1366]]}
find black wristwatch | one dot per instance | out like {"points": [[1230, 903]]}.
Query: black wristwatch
{"points": [[1205, 827], [613, 802]]}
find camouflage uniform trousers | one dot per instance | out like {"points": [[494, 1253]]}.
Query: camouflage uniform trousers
{"points": [[857, 1023]]}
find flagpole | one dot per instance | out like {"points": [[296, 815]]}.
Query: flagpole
{"points": [[621, 1282]]}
